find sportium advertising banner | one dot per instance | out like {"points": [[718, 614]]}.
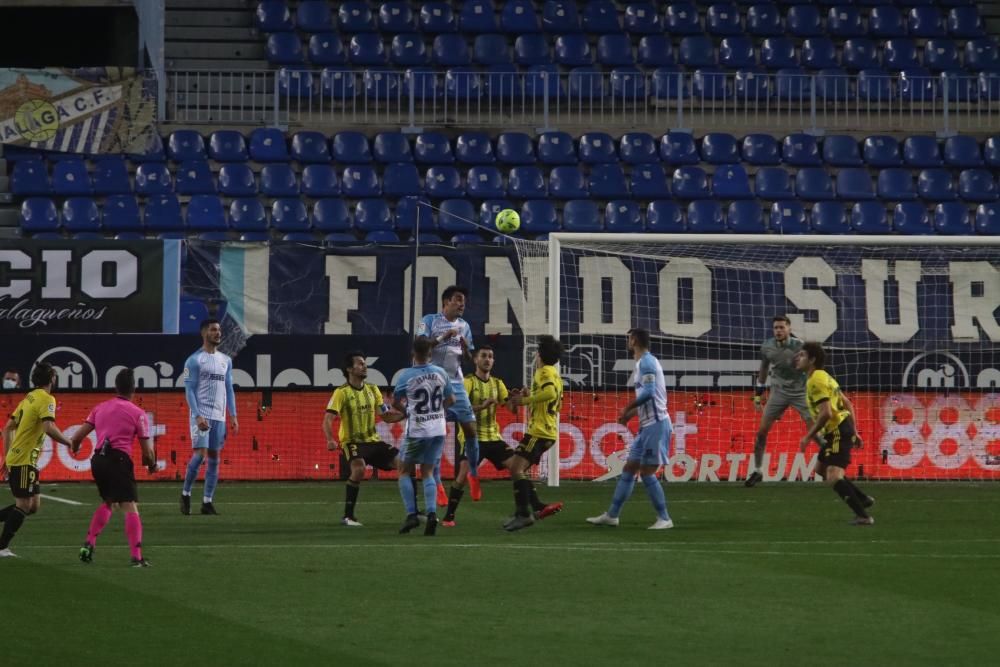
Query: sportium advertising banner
{"points": [[93, 110]]}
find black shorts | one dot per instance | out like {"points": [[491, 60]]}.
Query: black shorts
{"points": [[115, 477], [24, 481], [838, 445], [532, 448], [376, 454], [495, 451]]}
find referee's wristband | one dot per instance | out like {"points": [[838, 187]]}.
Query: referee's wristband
{"points": [[759, 390]]}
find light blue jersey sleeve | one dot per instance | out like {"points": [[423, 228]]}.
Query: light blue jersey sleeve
{"points": [[191, 375], [426, 325], [230, 392], [399, 391], [647, 378], [467, 334]]}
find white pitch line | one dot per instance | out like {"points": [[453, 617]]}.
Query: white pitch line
{"points": [[60, 500]]}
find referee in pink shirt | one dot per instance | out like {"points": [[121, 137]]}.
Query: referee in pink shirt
{"points": [[118, 422]]}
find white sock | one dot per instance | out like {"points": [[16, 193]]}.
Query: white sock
{"points": [[206, 499], [186, 493]]}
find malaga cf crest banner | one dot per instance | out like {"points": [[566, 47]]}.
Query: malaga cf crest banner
{"points": [[94, 110]]}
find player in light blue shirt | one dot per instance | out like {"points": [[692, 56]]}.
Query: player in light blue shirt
{"points": [[452, 339], [649, 449], [428, 392], [208, 386]]}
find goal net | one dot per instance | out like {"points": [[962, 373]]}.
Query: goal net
{"points": [[910, 326]]}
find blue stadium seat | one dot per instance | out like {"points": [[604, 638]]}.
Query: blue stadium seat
{"points": [[477, 16], [437, 17], [518, 17], [162, 213], [372, 215], [553, 148], [723, 19], [491, 50], [886, 21], [205, 213], [761, 149], [396, 17], [70, 177], [314, 16], [450, 50], [392, 147], [382, 236], [526, 182], [427, 238], [899, 53], [573, 50], [705, 217], [110, 176], [407, 50], [753, 86], [696, 51], [855, 184], [474, 148], [977, 185], [614, 50], [503, 82], [80, 214], [882, 151], [681, 18], [773, 183], [278, 180], [918, 85], [295, 82], [153, 178], [764, 20], [641, 18], [338, 84], [911, 218], [542, 80], [443, 182], [845, 21], [538, 217], [719, 148], [804, 21], [941, 55], [567, 182], [121, 214], [560, 16], [656, 51], [289, 215], [227, 146], [951, 218], [326, 49], [788, 217], [745, 217], [669, 83], [401, 180], [800, 150], [869, 217], [607, 181], [834, 84], [284, 48], [638, 148], [962, 151], [987, 220], [194, 178], [267, 144], [273, 16], [649, 181], [310, 147], [413, 212], [456, 216], [965, 22], [154, 151], [622, 217], [737, 52], [859, 53], [245, 215], [586, 83], [921, 151], [39, 215], [778, 53], [360, 181], [731, 182], [485, 182], [690, 183], [664, 217], [369, 49], [936, 185], [320, 180], [991, 151], [710, 83], [597, 148], [814, 184], [532, 50], [351, 147], [959, 86], [600, 17], [582, 215], [875, 85], [355, 16], [819, 53], [678, 148], [926, 22], [829, 217], [896, 184], [841, 150], [432, 148]]}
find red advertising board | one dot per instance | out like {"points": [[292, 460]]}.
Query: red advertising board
{"points": [[907, 436]]}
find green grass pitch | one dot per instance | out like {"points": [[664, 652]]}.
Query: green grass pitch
{"points": [[771, 575]]}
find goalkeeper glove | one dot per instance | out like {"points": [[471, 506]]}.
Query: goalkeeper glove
{"points": [[758, 396]]}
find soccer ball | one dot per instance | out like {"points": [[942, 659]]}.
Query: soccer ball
{"points": [[508, 221]]}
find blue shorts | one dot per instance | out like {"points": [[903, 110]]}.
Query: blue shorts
{"points": [[651, 445], [461, 410], [425, 451], [214, 438]]}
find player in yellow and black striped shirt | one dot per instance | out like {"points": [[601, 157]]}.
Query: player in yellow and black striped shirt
{"points": [[356, 403], [544, 402], [486, 394], [833, 417], [23, 435]]}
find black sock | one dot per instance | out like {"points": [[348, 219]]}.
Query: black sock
{"points": [[861, 494], [454, 498], [352, 498], [14, 520], [5, 511], [845, 490], [759, 446], [536, 504], [522, 496]]}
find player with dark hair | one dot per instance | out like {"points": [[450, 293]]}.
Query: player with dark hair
{"points": [[118, 421], [355, 404], [544, 401], [208, 381], [486, 393], [452, 340], [833, 416], [32, 420], [788, 388]]}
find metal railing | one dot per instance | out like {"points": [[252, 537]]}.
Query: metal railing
{"points": [[618, 99], [152, 27]]}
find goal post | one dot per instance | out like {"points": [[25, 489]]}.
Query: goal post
{"points": [[910, 324]]}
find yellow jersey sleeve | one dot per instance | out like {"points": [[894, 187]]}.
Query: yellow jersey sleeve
{"points": [[376, 397], [46, 408], [502, 393], [336, 401]]}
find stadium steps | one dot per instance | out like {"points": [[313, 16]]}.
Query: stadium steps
{"points": [[990, 11], [215, 35]]}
